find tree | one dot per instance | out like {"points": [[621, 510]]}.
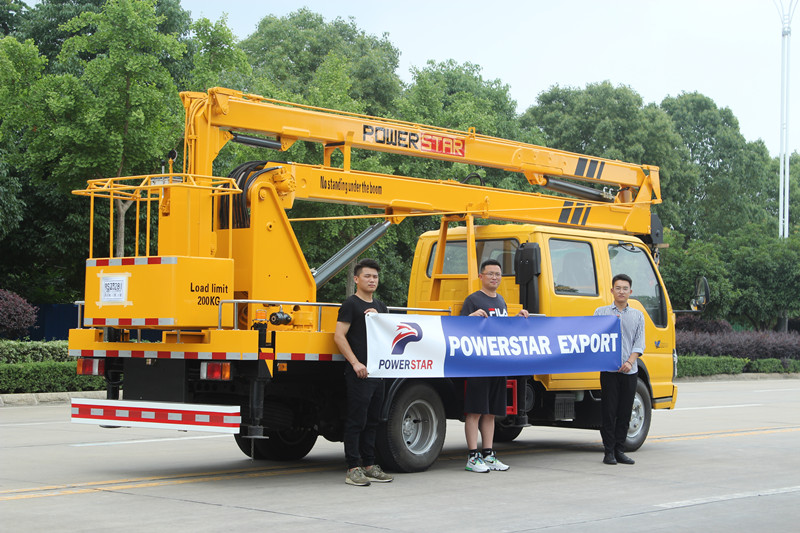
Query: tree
{"points": [[39, 237], [734, 185], [683, 262], [130, 99], [11, 205], [20, 66], [765, 274], [114, 112], [612, 122], [288, 51], [44, 24], [10, 15], [215, 54]]}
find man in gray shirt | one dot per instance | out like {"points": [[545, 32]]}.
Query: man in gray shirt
{"points": [[618, 388]]}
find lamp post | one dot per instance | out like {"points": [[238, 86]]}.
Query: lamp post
{"points": [[786, 34]]}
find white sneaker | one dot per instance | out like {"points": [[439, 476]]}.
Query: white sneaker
{"points": [[493, 463], [475, 464]]}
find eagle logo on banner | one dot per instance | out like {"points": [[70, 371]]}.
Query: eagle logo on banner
{"points": [[405, 333]]}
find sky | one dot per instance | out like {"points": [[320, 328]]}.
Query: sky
{"points": [[728, 50]]}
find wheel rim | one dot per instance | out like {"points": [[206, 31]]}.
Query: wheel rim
{"points": [[637, 417], [419, 427]]}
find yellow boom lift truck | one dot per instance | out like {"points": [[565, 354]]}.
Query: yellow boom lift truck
{"points": [[244, 346]]}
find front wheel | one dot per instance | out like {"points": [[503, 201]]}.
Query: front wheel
{"points": [[641, 414], [412, 438]]}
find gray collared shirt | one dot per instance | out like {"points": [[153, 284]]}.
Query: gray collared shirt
{"points": [[632, 330]]}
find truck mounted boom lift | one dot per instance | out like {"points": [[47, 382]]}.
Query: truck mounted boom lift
{"points": [[245, 347]]}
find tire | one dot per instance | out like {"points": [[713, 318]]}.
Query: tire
{"points": [[282, 445], [641, 414], [505, 433], [412, 438]]}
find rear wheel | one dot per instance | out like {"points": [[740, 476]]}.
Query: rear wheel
{"points": [[505, 433], [641, 414], [412, 438], [282, 445]]}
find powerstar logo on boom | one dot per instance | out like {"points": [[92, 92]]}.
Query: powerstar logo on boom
{"points": [[405, 333]]}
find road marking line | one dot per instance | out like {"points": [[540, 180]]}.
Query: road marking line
{"points": [[34, 423], [775, 390], [155, 481], [710, 407], [44, 492], [711, 435], [116, 442], [728, 497]]}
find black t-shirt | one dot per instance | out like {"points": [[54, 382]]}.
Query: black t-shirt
{"points": [[480, 300], [352, 312], [485, 395]]}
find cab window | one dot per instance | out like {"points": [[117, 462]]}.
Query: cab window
{"points": [[572, 264], [635, 262], [455, 255]]}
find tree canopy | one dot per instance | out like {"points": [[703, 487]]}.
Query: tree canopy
{"points": [[90, 89]]}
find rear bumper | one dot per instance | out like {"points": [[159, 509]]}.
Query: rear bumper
{"points": [[158, 415]]}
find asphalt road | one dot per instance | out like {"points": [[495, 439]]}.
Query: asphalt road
{"points": [[728, 459]]}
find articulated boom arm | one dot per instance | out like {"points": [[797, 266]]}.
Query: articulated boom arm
{"points": [[400, 196], [216, 117]]}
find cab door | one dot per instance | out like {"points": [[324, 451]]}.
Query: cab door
{"points": [[574, 282], [649, 296]]}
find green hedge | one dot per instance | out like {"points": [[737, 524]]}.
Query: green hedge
{"points": [[36, 366], [47, 376], [691, 365], [33, 351], [766, 366]]}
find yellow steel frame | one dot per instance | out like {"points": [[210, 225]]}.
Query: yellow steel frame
{"points": [[268, 261], [151, 188], [210, 117]]}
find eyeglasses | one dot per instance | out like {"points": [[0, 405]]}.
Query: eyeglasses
{"points": [[492, 274], [622, 289]]}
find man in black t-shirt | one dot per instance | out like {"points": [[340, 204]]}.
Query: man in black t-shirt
{"points": [[485, 397], [364, 396]]}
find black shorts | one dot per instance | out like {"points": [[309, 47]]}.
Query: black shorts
{"points": [[485, 396]]}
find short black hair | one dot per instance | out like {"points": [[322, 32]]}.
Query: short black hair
{"points": [[368, 263], [488, 262], [623, 277]]}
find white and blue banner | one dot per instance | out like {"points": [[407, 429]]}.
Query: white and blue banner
{"points": [[464, 346]]}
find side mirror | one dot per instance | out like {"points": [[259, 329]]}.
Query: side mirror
{"points": [[527, 263], [701, 294]]}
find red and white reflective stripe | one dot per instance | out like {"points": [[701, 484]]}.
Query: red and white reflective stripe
{"points": [[125, 261], [271, 356], [162, 354], [159, 415], [128, 322]]}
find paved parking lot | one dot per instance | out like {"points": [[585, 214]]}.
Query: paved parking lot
{"points": [[726, 459]]}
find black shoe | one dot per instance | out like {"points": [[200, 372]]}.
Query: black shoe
{"points": [[624, 459], [609, 459]]}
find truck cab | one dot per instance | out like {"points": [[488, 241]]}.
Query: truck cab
{"points": [[572, 278]]}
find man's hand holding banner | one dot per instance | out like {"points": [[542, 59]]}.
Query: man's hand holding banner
{"points": [[464, 346]]}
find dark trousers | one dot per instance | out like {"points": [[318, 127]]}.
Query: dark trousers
{"points": [[364, 401], [618, 391]]}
